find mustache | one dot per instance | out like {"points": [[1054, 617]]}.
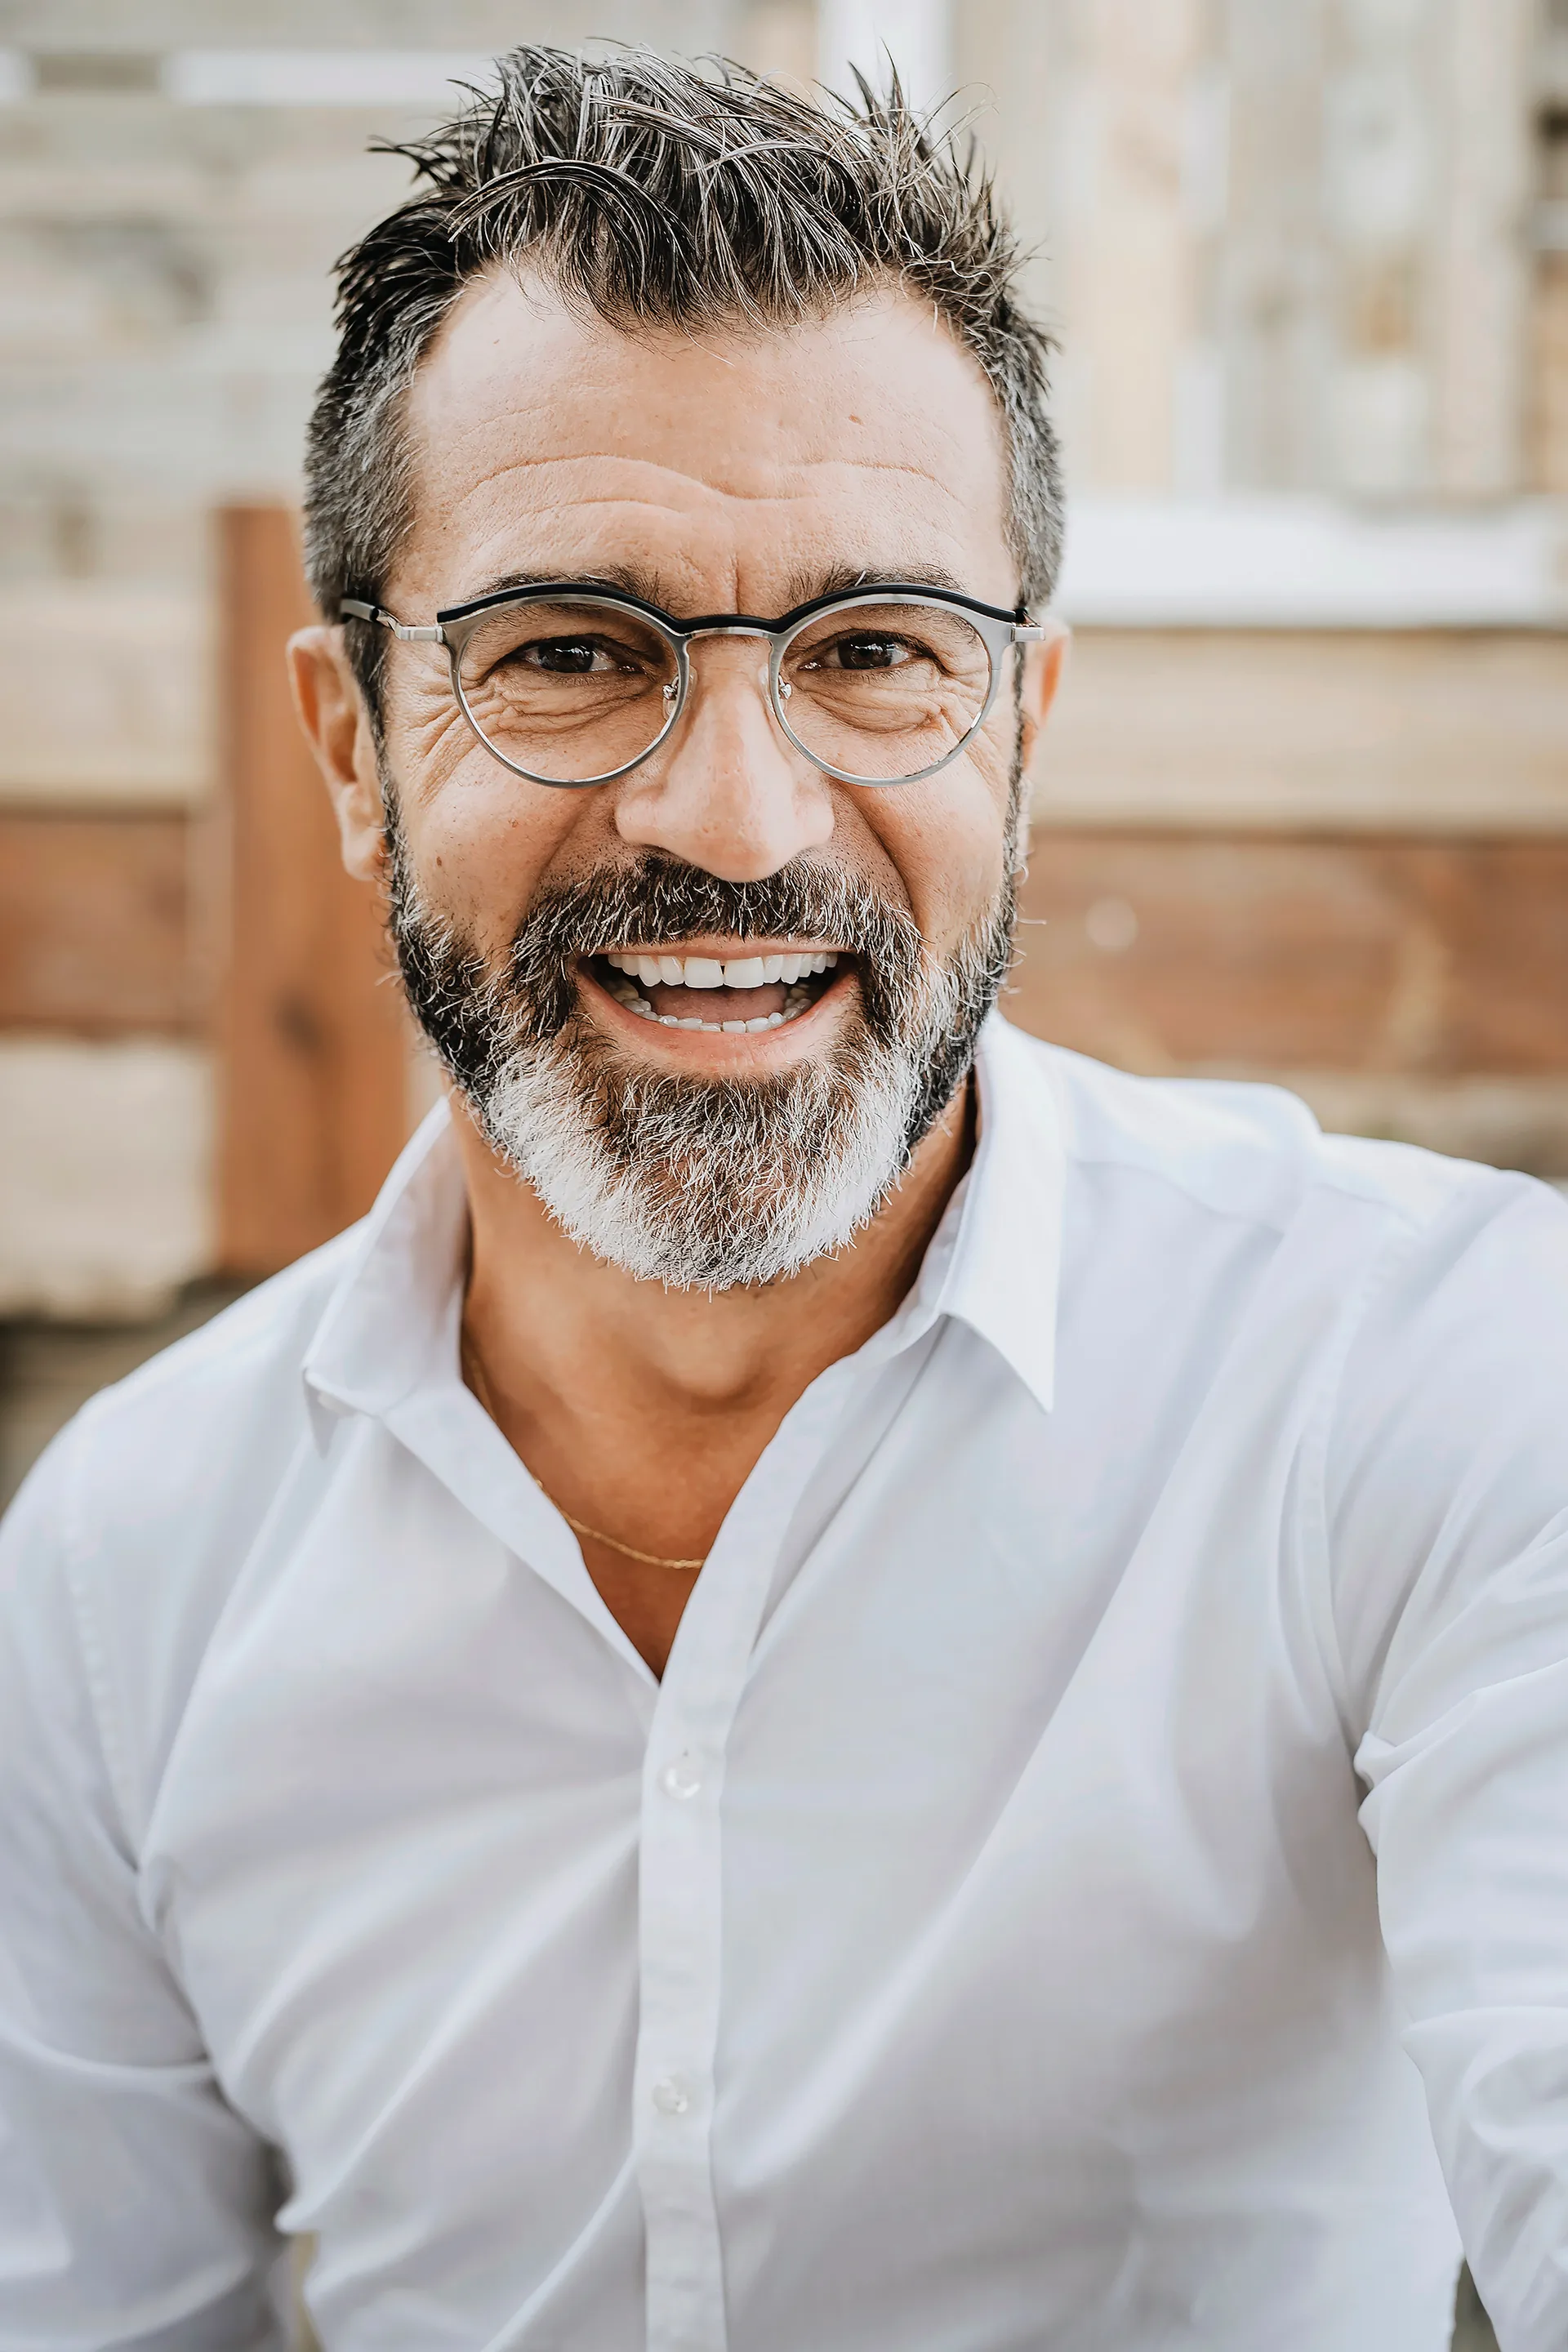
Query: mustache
{"points": [[486, 1024], [660, 900]]}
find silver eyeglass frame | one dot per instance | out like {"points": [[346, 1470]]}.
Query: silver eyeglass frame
{"points": [[996, 628]]}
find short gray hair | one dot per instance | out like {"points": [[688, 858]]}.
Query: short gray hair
{"points": [[656, 193]]}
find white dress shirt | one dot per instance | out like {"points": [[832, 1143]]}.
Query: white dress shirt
{"points": [[1095, 1867]]}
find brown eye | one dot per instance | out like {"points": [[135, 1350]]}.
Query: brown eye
{"points": [[572, 658], [884, 693], [868, 651], [566, 691], [568, 656]]}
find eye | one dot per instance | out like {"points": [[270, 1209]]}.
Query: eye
{"points": [[570, 656], [867, 649]]}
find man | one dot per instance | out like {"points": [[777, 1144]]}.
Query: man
{"points": [[844, 1684]]}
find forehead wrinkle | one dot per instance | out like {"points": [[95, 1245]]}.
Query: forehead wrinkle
{"points": [[779, 488], [822, 571]]}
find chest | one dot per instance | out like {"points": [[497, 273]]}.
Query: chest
{"points": [[428, 1833]]}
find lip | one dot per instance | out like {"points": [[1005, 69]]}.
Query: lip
{"points": [[723, 950], [763, 1049]]}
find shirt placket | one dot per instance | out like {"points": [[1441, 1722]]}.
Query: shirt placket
{"points": [[680, 1890]]}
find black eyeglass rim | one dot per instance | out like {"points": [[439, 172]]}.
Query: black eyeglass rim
{"points": [[452, 627], [539, 590]]}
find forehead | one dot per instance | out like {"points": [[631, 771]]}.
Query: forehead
{"points": [[731, 468]]}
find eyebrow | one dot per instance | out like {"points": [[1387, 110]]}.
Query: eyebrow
{"points": [[628, 579], [843, 579], [802, 587]]}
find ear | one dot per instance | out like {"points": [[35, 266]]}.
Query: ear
{"points": [[1042, 667], [337, 726]]}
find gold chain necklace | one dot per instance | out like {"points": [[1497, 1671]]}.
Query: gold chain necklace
{"points": [[481, 1388]]}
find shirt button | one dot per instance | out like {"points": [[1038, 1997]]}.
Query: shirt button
{"points": [[681, 1779], [671, 2097]]}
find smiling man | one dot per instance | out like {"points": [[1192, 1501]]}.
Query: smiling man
{"points": [[844, 1684]]}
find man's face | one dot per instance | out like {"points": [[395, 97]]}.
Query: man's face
{"points": [[709, 473]]}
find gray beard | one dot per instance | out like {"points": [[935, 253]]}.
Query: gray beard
{"points": [[701, 1184]]}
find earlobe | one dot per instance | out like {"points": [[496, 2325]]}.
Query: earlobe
{"points": [[336, 725]]}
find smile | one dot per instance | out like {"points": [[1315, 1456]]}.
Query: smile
{"points": [[740, 995]]}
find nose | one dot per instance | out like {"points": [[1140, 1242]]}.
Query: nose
{"points": [[727, 791]]}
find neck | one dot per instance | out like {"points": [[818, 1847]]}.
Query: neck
{"points": [[566, 1334]]}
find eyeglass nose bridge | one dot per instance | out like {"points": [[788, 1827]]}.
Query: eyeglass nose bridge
{"points": [[677, 692]]}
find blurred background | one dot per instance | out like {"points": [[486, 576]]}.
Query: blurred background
{"points": [[1303, 814]]}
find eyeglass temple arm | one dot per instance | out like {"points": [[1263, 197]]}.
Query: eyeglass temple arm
{"points": [[351, 608], [1030, 633]]}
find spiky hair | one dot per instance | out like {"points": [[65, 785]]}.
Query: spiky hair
{"points": [[662, 194]]}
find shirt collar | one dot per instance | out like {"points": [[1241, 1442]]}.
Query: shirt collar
{"points": [[391, 1322], [993, 1263]]}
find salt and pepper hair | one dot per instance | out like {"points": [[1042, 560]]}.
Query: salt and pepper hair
{"points": [[657, 194]]}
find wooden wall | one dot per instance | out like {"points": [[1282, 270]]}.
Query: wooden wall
{"points": [[1337, 860], [165, 308], [212, 956], [313, 1042], [1288, 249]]}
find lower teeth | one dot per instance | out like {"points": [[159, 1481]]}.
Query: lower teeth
{"points": [[796, 1002]]}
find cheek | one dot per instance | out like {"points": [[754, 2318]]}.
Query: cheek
{"points": [[948, 841], [430, 746], [478, 838]]}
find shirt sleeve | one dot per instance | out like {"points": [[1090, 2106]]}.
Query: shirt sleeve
{"points": [[135, 2206], [1446, 1521]]}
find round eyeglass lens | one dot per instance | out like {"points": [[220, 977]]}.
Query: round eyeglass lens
{"points": [[568, 691], [882, 692]]}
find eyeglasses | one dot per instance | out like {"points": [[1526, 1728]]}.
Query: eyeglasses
{"points": [[570, 685]]}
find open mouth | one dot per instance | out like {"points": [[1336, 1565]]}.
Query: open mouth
{"points": [[734, 996]]}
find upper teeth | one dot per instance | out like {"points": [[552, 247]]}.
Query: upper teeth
{"points": [[707, 972]]}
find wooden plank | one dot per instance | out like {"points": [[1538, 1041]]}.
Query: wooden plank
{"points": [[105, 692], [160, 424], [95, 925], [1338, 731], [1549, 375], [778, 37], [1181, 952], [313, 1064], [1131, 292], [1272, 321], [56, 25], [1479, 203], [1379, 131], [1508, 1122], [105, 1175]]}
